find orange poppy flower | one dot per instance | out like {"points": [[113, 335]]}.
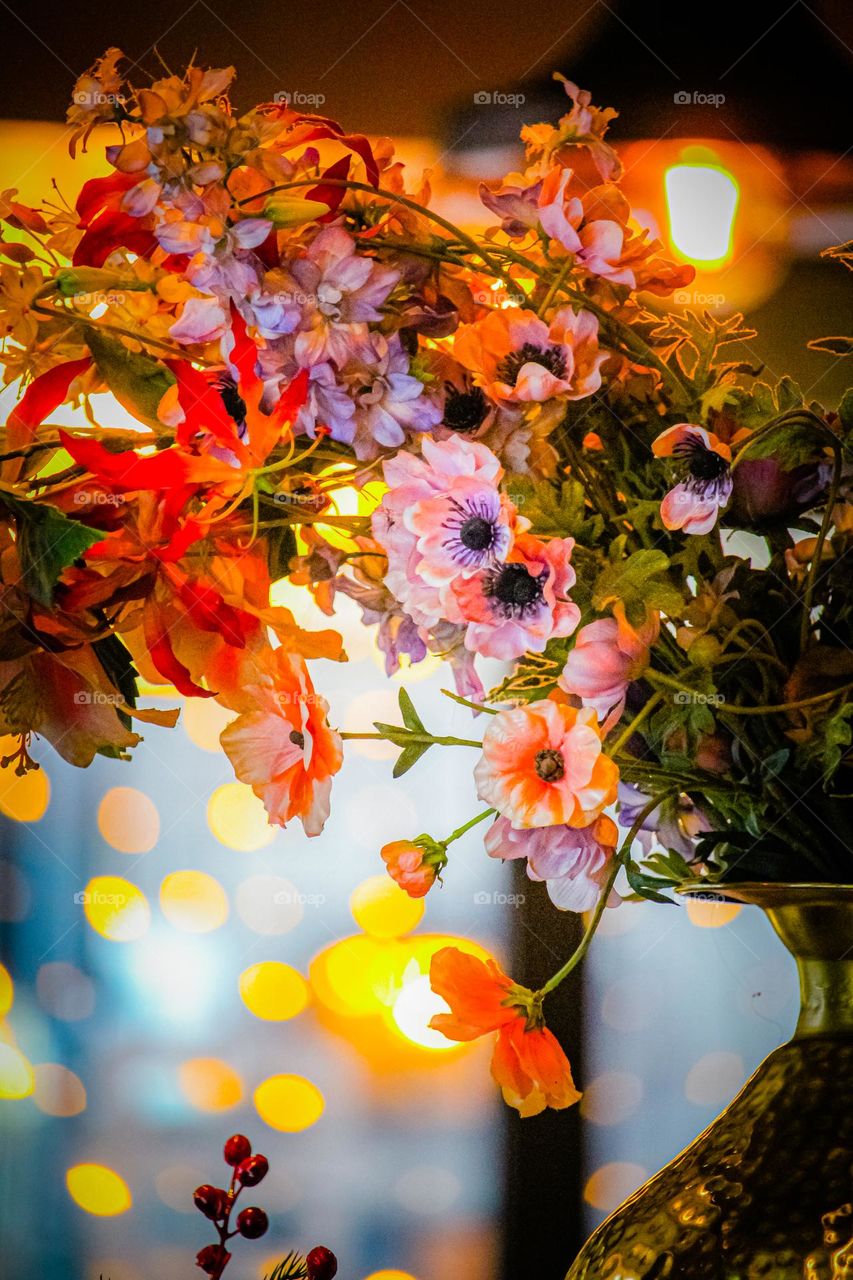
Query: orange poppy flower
{"points": [[528, 1063]]}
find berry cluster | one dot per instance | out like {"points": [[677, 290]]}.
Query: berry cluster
{"points": [[217, 1204]]}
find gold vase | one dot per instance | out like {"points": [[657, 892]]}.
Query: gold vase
{"points": [[766, 1192]]}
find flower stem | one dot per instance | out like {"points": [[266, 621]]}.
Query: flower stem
{"points": [[460, 831], [733, 708], [629, 730], [428, 738]]}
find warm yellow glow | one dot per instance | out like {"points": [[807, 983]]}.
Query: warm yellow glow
{"points": [[16, 1073], [412, 1010], [347, 500], [116, 908], [23, 798], [203, 720], [702, 201], [7, 991], [238, 819], [356, 976], [390, 1275], [128, 820], [210, 1084], [289, 1103], [58, 1091], [273, 991], [193, 901], [98, 1190], [384, 910], [712, 915]]}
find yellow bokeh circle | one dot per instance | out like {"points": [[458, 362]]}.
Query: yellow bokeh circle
{"points": [[17, 1079], [210, 1084], [273, 991], [238, 819], [203, 720], [98, 1190], [23, 798], [116, 908], [711, 915], [193, 901], [384, 910], [7, 991], [289, 1103], [128, 820], [390, 1275]]}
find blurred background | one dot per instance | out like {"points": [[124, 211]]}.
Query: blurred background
{"points": [[174, 971]]}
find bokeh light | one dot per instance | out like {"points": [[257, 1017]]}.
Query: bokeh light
{"points": [[613, 1183], [390, 1275], [17, 1079], [116, 908], [128, 820], [269, 904], [611, 1097], [193, 901], [238, 819], [712, 915], [64, 991], [98, 1190], [15, 894], [58, 1091], [23, 798], [203, 720], [289, 1103], [273, 991], [7, 991], [210, 1084], [413, 1008], [384, 910], [715, 1078]]}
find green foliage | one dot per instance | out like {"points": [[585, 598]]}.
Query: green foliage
{"points": [[47, 543], [137, 381], [641, 581], [293, 1267]]}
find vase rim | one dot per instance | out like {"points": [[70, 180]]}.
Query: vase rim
{"points": [[769, 893]]}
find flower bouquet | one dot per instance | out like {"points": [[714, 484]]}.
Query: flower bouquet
{"points": [[555, 471]]}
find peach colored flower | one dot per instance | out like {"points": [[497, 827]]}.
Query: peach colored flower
{"points": [[280, 743], [518, 358], [608, 654], [528, 1063], [414, 868], [543, 764]]}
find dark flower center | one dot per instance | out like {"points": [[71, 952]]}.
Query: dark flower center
{"points": [[516, 587], [235, 405], [550, 358], [464, 410], [477, 534], [705, 464], [298, 739], [550, 765]]}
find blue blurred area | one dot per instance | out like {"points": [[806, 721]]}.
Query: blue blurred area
{"points": [[394, 1152]]}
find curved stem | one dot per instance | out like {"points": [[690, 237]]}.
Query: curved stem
{"points": [[732, 708]]}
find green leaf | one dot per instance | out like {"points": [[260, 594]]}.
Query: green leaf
{"points": [[551, 510], [643, 885], [641, 583], [281, 548], [409, 756], [47, 542], [393, 732], [137, 381], [411, 719]]}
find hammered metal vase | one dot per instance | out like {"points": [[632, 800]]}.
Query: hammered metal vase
{"points": [[766, 1192]]}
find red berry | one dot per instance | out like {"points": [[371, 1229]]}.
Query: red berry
{"points": [[252, 1223], [322, 1263], [212, 1259], [210, 1200], [237, 1148], [250, 1172]]}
